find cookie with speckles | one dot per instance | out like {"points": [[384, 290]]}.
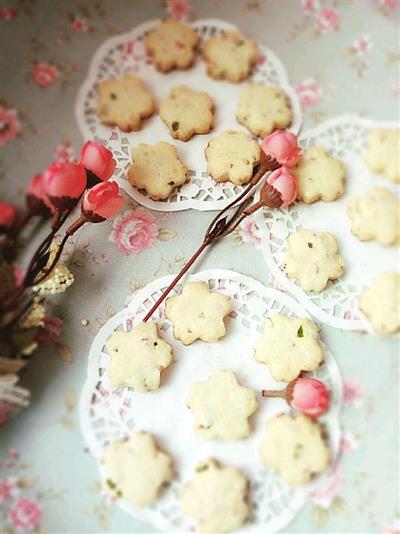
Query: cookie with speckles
{"points": [[383, 153], [381, 303]]}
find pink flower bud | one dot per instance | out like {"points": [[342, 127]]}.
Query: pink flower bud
{"points": [[98, 161], [309, 396], [102, 202], [64, 183], [8, 216], [37, 201], [285, 183], [283, 147]]}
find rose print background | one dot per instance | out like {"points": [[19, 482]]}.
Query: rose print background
{"points": [[342, 57]]}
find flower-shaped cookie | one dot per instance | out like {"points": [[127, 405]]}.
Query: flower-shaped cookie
{"points": [[381, 303], [124, 103], [232, 156], [313, 259], [319, 176], [138, 357], [221, 407], [229, 56], [216, 498], [172, 45], [263, 108], [157, 169], [197, 313], [295, 448], [136, 469], [187, 112], [375, 215], [289, 346], [383, 153]]}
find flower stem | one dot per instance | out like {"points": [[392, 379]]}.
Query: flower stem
{"points": [[268, 393]]}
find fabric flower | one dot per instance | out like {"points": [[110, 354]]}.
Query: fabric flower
{"points": [[98, 160], [102, 202], [308, 92], [64, 183], [362, 45], [283, 147], [79, 25], [64, 154], [44, 75], [134, 231], [8, 489], [25, 514], [8, 216], [353, 392], [7, 13], [50, 331], [36, 198], [10, 127], [326, 20], [309, 6], [285, 183], [178, 9]]}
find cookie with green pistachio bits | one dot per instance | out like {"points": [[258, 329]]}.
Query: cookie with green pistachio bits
{"points": [[216, 498], [289, 346], [313, 258], [197, 313], [135, 469], [295, 448], [138, 357], [124, 102], [187, 112], [381, 303], [221, 407]]}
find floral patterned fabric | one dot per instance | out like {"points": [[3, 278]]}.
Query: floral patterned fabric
{"points": [[342, 57]]}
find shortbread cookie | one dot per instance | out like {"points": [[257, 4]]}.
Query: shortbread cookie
{"points": [[319, 176], [197, 313], [221, 407], [381, 303], [124, 103], [138, 357], [295, 448], [187, 112], [383, 155], [375, 216], [136, 469], [157, 169], [289, 346], [232, 156], [172, 45], [263, 108], [216, 498], [230, 56], [313, 259]]}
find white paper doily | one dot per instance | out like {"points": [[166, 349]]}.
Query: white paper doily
{"points": [[109, 413], [126, 53], [344, 137]]}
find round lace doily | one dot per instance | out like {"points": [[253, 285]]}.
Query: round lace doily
{"points": [[109, 413], [126, 53], [345, 138]]}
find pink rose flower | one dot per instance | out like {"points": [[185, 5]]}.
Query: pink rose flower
{"points": [[8, 216], [36, 198], [50, 331], [79, 25], [97, 159], [353, 392], [10, 127], [178, 9], [283, 147], [324, 495], [134, 231], [308, 92], [102, 202], [326, 20], [8, 489], [285, 183], [64, 183], [309, 396], [362, 45], [25, 514], [7, 13], [309, 6], [45, 75]]}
